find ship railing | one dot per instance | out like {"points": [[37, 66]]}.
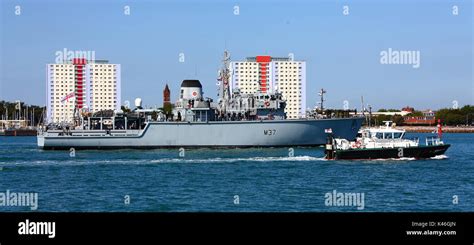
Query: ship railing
{"points": [[391, 143], [414, 139], [130, 132], [92, 133], [433, 140]]}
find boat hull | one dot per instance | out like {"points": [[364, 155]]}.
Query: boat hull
{"points": [[271, 133], [389, 153]]}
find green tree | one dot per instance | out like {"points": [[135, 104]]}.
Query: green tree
{"points": [[380, 118], [415, 114], [398, 119], [167, 108], [453, 117], [125, 109]]}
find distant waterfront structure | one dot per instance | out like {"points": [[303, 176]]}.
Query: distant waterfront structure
{"points": [[266, 74], [428, 118], [81, 85], [166, 96], [408, 109], [167, 106]]}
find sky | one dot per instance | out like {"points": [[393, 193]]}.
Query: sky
{"points": [[341, 42]]}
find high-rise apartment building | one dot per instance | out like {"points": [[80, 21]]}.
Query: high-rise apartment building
{"points": [[263, 74], [81, 84]]}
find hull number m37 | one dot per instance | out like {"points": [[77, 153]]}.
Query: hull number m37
{"points": [[269, 131]]}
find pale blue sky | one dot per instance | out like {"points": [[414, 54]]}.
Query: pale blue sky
{"points": [[342, 52]]}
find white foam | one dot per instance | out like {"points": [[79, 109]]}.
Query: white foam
{"points": [[388, 159], [405, 158], [77, 162], [439, 157], [249, 159]]}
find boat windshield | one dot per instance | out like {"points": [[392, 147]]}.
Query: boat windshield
{"points": [[387, 135]]}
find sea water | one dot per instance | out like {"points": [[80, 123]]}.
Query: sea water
{"points": [[234, 180]]}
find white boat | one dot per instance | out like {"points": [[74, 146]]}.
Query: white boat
{"points": [[383, 142]]}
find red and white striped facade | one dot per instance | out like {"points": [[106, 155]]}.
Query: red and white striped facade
{"points": [[79, 70]]}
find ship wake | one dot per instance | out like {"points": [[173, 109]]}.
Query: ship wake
{"points": [[440, 157], [248, 159]]}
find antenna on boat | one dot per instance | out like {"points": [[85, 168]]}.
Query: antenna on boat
{"points": [[362, 104], [321, 94], [370, 115]]}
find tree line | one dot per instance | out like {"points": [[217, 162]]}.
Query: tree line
{"points": [[449, 116], [458, 116]]}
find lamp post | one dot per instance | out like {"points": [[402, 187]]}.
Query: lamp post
{"points": [[467, 119]]}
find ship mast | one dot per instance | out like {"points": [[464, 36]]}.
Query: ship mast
{"points": [[321, 94], [224, 86]]}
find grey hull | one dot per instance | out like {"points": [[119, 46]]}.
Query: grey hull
{"points": [[272, 133]]}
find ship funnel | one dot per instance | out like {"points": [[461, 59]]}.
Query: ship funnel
{"points": [[191, 90]]}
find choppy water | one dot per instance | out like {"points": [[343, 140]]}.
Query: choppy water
{"points": [[211, 180]]}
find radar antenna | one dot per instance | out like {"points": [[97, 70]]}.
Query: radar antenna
{"points": [[321, 103], [224, 86]]}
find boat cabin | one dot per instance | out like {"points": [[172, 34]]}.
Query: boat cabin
{"points": [[384, 132]]}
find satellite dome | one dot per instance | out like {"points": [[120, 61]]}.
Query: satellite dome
{"points": [[138, 102]]}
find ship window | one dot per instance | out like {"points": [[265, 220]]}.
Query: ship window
{"points": [[379, 135], [397, 135], [388, 136]]}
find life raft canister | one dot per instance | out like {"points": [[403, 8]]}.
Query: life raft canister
{"points": [[357, 144]]}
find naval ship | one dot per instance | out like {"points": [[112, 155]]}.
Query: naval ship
{"points": [[235, 120]]}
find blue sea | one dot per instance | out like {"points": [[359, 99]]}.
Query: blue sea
{"points": [[233, 180]]}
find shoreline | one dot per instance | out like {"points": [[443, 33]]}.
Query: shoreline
{"points": [[429, 129]]}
